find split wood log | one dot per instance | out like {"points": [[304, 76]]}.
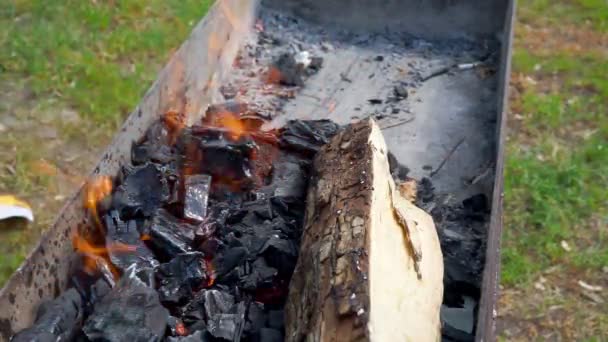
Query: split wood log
{"points": [[370, 266]]}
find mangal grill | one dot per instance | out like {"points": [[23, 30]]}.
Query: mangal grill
{"points": [[290, 135]]}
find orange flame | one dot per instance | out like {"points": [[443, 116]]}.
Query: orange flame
{"points": [[210, 272], [92, 253], [94, 191], [232, 123]]}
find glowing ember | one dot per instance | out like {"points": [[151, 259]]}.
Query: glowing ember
{"points": [[210, 272], [180, 329], [175, 122]]}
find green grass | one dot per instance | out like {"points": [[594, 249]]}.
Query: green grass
{"points": [[556, 172], [548, 198], [96, 56], [576, 12]]}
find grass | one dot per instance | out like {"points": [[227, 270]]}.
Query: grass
{"points": [[94, 58], [556, 172], [98, 57], [557, 164], [591, 12]]}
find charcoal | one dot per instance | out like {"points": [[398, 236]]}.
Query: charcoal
{"points": [[451, 334], [130, 312], [228, 326], [276, 319], [150, 152], [398, 171], [270, 335], [228, 91], [425, 192], [228, 260], [290, 72], [316, 63], [127, 234], [197, 195], [307, 136], [216, 302], [56, 320], [216, 152], [291, 209], [476, 203], [180, 277], [460, 318], [288, 179], [260, 275], [170, 236], [256, 317], [400, 91], [143, 190], [280, 254], [197, 336]]}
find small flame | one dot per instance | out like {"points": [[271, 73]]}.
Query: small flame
{"points": [[231, 122], [92, 253], [210, 272], [94, 191]]}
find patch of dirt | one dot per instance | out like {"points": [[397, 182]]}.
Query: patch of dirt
{"points": [[555, 308], [46, 152], [565, 38]]}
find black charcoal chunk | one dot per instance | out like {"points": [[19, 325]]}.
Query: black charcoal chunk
{"points": [[132, 250], [276, 319], [143, 190], [130, 312], [150, 152], [307, 136], [181, 277], [228, 260], [168, 235], [460, 318], [270, 335], [398, 171], [280, 253], [259, 275], [476, 203], [197, 195], [256, 318], [400, 92], [288, 179], [216, 302], [218, 153], [228, 326], [56, 320], [290, 72]]}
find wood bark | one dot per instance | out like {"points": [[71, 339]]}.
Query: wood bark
{"points": [[370, 266]]}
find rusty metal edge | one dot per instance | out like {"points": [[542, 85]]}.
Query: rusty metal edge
{"points": [[486, 318]]}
